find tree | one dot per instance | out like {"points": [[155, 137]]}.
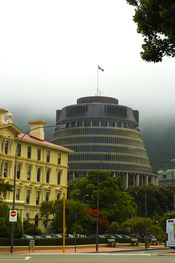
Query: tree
{"points": [[155, 20], [53, 211], [115, 203], [5, 187], [159, 199], [5, 228], [137, 225], [31, 229]]}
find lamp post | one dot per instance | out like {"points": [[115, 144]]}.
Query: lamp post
{"points": [[98, 191], [97, 224], [146, 245], [64, 223], [14, 182]]}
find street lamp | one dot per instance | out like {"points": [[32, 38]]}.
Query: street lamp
{"points": [[146, 245], [14, 182], [98, 190], [97, 223]]}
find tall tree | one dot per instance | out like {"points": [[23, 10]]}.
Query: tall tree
{"points": [[159, 199], [115, 203], [155, 20], [77, 217]]}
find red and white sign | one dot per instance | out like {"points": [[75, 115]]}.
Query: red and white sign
{"points": [[13, 216]]}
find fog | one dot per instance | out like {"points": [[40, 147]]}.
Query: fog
{"points": [[50, 50]]}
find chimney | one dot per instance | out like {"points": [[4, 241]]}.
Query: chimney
{"points": [[37, 129], [2, 116]]}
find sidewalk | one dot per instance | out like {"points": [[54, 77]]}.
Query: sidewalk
{"points": [[79, 249]]}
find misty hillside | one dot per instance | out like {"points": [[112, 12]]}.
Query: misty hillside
{"points": [[159, 139]]}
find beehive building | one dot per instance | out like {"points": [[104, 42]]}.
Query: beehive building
{"points": [[104, 136]]}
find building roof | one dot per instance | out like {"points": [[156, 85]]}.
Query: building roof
{"points": [[26, 137], [43, 142]]}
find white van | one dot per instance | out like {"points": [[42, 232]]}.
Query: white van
{"points": [[170, 233]]}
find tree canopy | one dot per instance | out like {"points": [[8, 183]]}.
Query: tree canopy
{"points": [[155, 20], [6, 225], [5, 187], [77, 217], [115, 203], [159, 199]]}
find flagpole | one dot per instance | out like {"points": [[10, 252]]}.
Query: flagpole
{"points": [[97, 82], [98, 93]]}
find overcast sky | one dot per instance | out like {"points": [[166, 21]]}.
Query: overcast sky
{"points": [[50, 49]]}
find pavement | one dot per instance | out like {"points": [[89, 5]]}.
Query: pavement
{"points": [[79, 249]]}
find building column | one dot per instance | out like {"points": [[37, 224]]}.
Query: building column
{"points": [[152, 179], [137, 179], [126, 180], [146, 179], [134, 179], [141, 179]]}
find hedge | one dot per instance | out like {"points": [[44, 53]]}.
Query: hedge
{"points": [[52, 241]]}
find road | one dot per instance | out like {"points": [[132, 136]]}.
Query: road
{"points": [[128, 257]]}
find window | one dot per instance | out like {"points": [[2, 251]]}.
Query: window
{"points": [[47, 196], [58, 196], [27, 217], [29, 168], [29, 152], [18, 171], [95, 123], [37, 197], [48, 176], [5, 169], [38, 174], [111, 123], [36, 220], [79, 123], [72, 124], [104, 123], [87, 123], [39, 154], [58, 177], [48, 156], [28, 197], [59, 158], [6, 147], [17, 194], [19, 149]]}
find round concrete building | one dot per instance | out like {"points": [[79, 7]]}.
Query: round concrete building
{"points": [[104, 136]]}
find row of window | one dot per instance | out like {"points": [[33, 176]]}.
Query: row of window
{"points": [[29, 170], [106, 148], [37, 196], [107, 166], [97, 123], [98, 131], [107, 157], [5, 149], [95, 139]]}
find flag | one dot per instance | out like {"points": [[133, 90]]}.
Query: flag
{"points": [[100, 68]]}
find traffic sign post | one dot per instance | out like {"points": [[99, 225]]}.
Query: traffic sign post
{"points": [[13, 216]]}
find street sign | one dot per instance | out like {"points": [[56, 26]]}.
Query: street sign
{"points": [[13, 216]]}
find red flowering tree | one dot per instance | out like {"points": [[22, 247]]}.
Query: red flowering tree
{"points": [[102, 219]]}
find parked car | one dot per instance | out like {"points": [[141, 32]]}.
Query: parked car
{"points": [[57, 235], [117, 236], [153, 239], [26, 237]]}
